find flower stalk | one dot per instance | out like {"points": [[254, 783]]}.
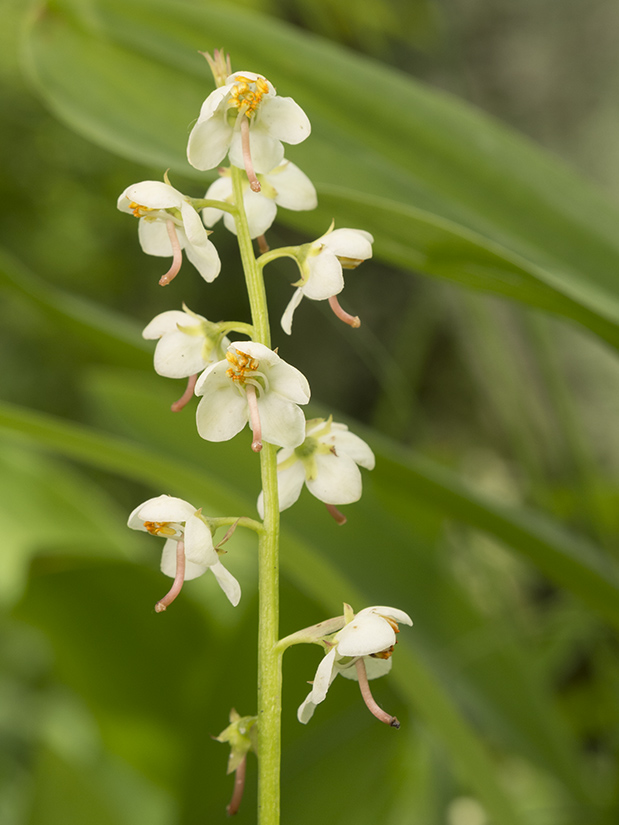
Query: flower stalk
{"points": [[269, 658]]}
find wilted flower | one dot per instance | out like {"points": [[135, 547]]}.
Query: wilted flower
{"points": [[248, 120], [286, 186], [189, 551], [253, 384], [168, 224], [361, 651], [321, 264], [326, 462]]}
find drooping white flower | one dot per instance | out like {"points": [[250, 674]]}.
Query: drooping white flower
{"points": [[326, 462], [187, 343], [361, 651], [246, 119], [189, 551], [286, 186], [253, 384], [321, 264], [168, 224]]}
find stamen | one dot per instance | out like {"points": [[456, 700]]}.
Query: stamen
{"points": [[351, 320], [369, 700], [186, 397], [239, 787], [249, 166], [340, 518], [177, 584], [177, 260], [254, 418]]}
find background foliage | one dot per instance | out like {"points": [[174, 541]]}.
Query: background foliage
{"points": [[484, 375]]}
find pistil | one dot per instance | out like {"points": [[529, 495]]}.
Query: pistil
{"points": [[369, 700], [177, 584], [186, 397], [340, 518], [239, 787], [177, 260], [249, 166], [351, 320], [254, 417]]}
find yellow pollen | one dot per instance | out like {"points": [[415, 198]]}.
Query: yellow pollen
{"points": [[240, 363], [247, 94], [384, 654], [159, 528], [138, 210]]}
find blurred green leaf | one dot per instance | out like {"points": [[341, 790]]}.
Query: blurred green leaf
{"points": [[445, 189]]}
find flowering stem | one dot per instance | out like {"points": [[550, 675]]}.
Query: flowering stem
{"points": [[269, 658], [280, 252]]}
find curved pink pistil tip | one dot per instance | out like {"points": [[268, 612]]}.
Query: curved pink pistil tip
{"points": [[186, 397], [254, 418], [369, 700], [254, 183], [340, 518], [177, 260], [351, 320], [177, 584]]}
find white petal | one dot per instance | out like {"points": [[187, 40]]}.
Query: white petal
{"points": [[347, 443], [168, 563], [209, 141], [325, 278], [266, 152], [338, 480], [282, 421], [164, 508], [211, 103], [286, 322], [154, 238], [222, 412], [289, 382], [290, 483], [178, 355], [199, 542], [325, 674], [260, 212], [264, 355], [294, 189], [193, 226], [220, 190], [364, 635], [167, 322], [284, 119], [227, 582], [398, 616], [205, 259], [374, 668], [155, 194], [349, 243]]}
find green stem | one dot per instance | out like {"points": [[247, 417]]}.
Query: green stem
{"points": [[281, 252], [269, 658]]}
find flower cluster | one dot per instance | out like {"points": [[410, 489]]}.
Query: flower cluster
{"points": [[243, 383]]}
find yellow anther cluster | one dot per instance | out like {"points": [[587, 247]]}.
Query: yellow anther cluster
{"points": [[246, 94], [239, 365], [138, 210], [159, 528], [386, 654]]}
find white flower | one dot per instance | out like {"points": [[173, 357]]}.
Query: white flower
{"points": [[246, 119], [326, 462], [253, 384], [187, 343], [286, 186], [169, 224], [369, 637], [188, 551], [321, 264]]}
